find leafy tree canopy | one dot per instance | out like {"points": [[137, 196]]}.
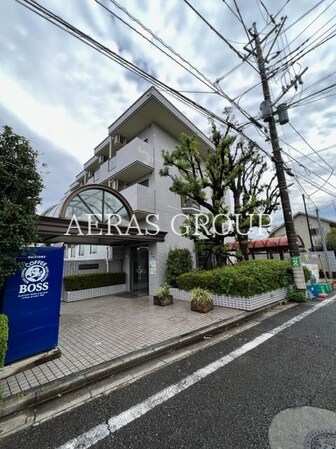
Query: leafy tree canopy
{"points": [[233, 167], [20, 187]]}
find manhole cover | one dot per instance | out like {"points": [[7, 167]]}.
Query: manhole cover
{"points": [[321, 439]]}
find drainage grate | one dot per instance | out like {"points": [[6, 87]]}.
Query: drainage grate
{"points": [[321, 439]]}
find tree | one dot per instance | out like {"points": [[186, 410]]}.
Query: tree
{"points": [[232, 166], [331, 239], [20, 187]]}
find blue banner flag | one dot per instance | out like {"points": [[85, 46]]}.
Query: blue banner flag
{"points": [[31, 300]]}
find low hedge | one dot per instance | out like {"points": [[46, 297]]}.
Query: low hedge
{"points": [[243, 279], [76, 282], [3, 338]]}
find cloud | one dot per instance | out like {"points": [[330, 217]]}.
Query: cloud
{"points": [[61, 168], [67, 93]]}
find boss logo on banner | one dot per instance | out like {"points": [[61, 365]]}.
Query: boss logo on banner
{"points": [[34, 275]]}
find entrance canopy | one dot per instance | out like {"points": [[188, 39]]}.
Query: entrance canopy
{"points": [[272, 243], [93, 214]]}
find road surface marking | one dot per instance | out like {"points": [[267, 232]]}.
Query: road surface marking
{"points": [[88, 439]]}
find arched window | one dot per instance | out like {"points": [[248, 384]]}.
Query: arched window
{"points": [[99, 202]]}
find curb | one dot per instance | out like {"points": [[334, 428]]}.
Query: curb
{"points": [[53, 389]]}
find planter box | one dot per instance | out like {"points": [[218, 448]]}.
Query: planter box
{"points": [[93, 292], [238, 302], [201, 307], [163, 300]]}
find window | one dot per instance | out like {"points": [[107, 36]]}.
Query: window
{"points": [[93, 249], [96, 175], [112, 163], [98, 202], [314, 231], [81, 251], [73, 251]]}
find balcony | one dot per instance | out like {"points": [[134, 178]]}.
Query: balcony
{"points": [[141, 199], [132, 161], [190, 206]]}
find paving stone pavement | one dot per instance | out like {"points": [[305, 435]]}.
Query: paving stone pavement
{"points": [[96, 330]]}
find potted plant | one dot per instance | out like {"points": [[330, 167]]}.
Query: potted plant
{"points": [[163, 297], [201, 300]]}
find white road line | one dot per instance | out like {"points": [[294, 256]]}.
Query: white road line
{"points": [[88, 439]]}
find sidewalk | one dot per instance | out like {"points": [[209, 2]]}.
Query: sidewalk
{"points": [[104, 329]]}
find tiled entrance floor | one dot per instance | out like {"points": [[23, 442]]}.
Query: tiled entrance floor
{"points": [[101, 329]]}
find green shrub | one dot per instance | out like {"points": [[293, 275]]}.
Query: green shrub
{"points": [[179, 261], [163, 291], [3, 338], [92, 280], [247, 278], [201, 295], [307, 273], [294, 295]]}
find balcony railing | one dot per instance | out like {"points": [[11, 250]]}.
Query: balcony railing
{"points": [[141, 198], [132, 160], [189, 206]]}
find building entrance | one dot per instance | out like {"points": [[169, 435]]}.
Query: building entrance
{"points": [[139, 270]]}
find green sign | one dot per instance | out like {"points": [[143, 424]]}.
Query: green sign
{"points": [[296, 262]]}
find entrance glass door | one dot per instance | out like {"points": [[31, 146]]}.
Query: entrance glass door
{"points": [[139, 270]]}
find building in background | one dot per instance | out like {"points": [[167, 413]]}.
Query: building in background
{"points": [[301, 228], [128, 162]]}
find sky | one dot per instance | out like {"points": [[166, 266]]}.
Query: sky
{"points": [[62, 95]]}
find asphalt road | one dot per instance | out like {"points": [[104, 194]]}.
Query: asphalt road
{"points": [[269, 388]]}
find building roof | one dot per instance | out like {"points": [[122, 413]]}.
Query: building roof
{"points": [[269, 243], [331, 222], [153, 107]]}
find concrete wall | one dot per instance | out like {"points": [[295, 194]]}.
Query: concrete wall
{"points": [[164, 203], [72, 266], [167, 205]]}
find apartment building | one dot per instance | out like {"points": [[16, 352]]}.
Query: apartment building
{"points": [[126, 165]]}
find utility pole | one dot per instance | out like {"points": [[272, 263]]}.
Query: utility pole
{"points": [[308, 224], [324, 246], [279, 167]]}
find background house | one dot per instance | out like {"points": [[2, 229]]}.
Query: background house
{"points": [[301, 228]]}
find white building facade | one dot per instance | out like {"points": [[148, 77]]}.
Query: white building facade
{"points": [[128, 161]]}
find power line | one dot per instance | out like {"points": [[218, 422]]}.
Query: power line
{"points": [[156, 37], [318, 82], [284, 5], [313, 149], [309, 180], [292, 61], [303, 15], [313, 94], [208, 83], [201, 78], [311, 23], [263, 5], [299, 104], [242, 57], [65, 26]]}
